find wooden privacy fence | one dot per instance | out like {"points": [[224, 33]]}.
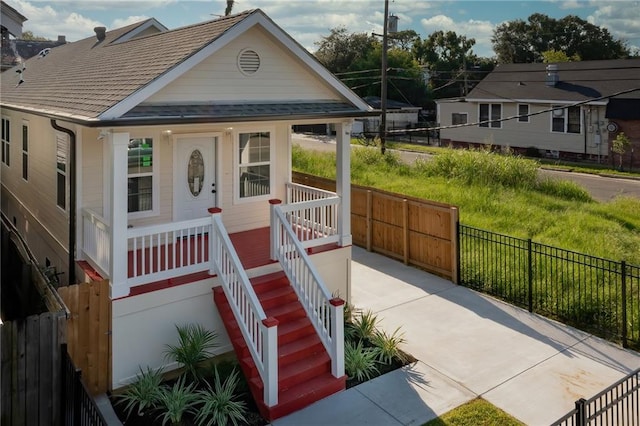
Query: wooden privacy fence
{"points": [[89, 332], [31, 360], [416, 231]]}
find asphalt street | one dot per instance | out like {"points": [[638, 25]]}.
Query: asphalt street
{"points": [[601, 188]]}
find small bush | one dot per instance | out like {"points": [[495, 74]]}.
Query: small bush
{"points": [[360, 363], [218, 403], [143, 394], [364, 325], [388, 346], [194, 346], [176, 401]]}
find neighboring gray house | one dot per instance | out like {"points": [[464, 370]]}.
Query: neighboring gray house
{"points": [[543, 98]]}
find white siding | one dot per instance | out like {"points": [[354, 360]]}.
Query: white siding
{"points": [[33, 202], [537, 132], [280, 77]]}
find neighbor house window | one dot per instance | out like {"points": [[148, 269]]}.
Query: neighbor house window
{"points": [[458, 118], [523, 113], [6, 141], [565, 120], [490, 112], [25, 152], [62, 147], [254, 164], [140, 175]]}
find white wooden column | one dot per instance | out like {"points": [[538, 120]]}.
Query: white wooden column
{"points": [[343, 181], [118, 273]]}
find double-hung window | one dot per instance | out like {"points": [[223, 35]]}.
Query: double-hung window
{"points": [[565, 119], [254, 164], [25, 151], [140, 175], [491, 112], [523, 113], [6, 141], [458, 118], [62, 148]]}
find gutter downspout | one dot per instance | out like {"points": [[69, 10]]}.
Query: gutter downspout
{"points": [[72, 199]]}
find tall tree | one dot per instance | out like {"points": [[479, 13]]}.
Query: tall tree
{"points": [[340, 50], [518, 41], [449, 59], [403, 39]]}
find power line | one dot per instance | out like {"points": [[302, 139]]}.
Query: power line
{"points": [[515, 117]]}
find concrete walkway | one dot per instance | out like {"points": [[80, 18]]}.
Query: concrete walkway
{"points": [[467, 345]]}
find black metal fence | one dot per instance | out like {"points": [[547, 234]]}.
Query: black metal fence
{"points": [[597, 295], [619, 404], [78, 406]]}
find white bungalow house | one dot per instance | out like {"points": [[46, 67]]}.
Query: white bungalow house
{"points": [[161, 160], [561, 110]]}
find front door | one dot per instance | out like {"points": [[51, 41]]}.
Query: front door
{"points": [[194, 189]]}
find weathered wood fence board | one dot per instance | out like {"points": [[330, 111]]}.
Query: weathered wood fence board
{"points": [[31, 369], [88, 332], [416, 231]]}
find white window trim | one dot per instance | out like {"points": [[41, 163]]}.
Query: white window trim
{"points": [[489, 126], [236, 164], [565, 111], [24, 124], [7, 141], [527, 121], [155, 178], [466, 114]]}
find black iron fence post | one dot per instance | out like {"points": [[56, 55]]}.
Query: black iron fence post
{"points": [[623, 265], [530, 275], [581, 415], [459, 257]]}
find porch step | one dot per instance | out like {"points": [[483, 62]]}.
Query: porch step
{"points": [[304, 367]]}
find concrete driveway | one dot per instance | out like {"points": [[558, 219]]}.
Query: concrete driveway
{"points": [[467, 345]]}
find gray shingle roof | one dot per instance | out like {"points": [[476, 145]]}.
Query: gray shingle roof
{"points": [[85, 78], [579, 81]]}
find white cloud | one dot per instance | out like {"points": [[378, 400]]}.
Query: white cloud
{"points": [[123, 22], [481, 31], [622, 19]]}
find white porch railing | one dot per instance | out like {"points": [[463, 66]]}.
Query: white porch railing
{"points": [[324, 312], [95, 240], [313, 214], [260, 332], [160, 252], [297, 193]]}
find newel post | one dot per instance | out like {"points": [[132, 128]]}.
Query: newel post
{"points": [[337, 336], [270, 361], [275, 229], [213, 239]]}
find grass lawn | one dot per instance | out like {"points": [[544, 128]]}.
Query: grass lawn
{"points": [[501, 194], [475, 413]]}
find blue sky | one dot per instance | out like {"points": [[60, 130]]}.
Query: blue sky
{"points": [[308, 20]]}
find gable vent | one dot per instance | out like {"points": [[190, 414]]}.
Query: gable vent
{"points": [[248, 61]]}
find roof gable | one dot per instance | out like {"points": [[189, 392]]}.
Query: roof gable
{"points": [[578, 81]]}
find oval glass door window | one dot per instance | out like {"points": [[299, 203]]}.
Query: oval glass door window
{"points": [[195, 173]]}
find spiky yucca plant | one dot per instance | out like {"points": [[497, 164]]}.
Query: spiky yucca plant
{"points": [[143, 394], [364, 325], [176, 401], [194, 346], [360, 363], [217, 405], [388, 346]]}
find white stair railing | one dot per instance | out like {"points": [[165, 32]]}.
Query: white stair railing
{"points": [[297, 193], [315, 222], [324, 311], [259, 332]]}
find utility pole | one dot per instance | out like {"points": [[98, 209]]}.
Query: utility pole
{"points": [[383, 88]]}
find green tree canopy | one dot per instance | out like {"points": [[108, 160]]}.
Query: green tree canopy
{"points": [[28, 35], [556, 56], [356, 58], [521, 41]]}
